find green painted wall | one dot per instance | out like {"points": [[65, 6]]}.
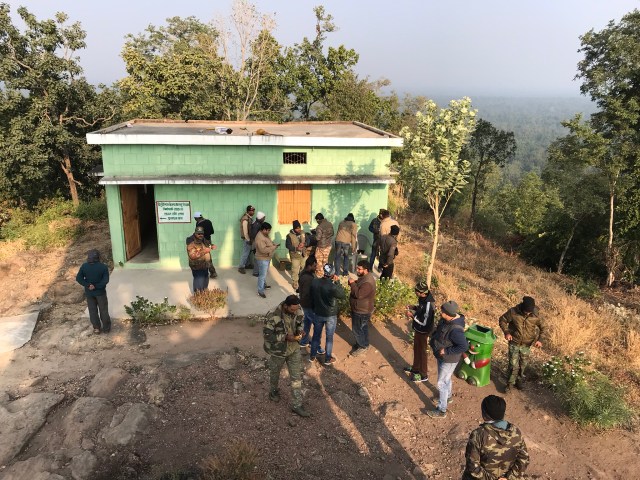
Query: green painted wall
{"points": [[240, 160]]}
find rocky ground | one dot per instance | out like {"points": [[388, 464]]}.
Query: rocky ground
{"points": [[137, 404]]}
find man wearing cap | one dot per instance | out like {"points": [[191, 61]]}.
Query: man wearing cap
{"points": [[324, 238], [346, 242], [94, 276], [389, 251], [245, 224], [208, 231], [199, 252], [264, 251], [423, 325], [448, 344], [253, 233], [325, 293], [361, 300], [522, 327], [282, 332], [496, 449], [296, 243]]}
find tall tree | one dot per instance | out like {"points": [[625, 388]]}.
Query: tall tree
{"points": [[312, 74], [487, 146], [47, 107], [433, 167]]}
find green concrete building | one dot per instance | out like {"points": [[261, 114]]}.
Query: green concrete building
{"points": [[157, 174]]}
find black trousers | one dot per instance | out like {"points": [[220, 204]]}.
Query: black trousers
{"points": [[99, 312], [387, 272]]}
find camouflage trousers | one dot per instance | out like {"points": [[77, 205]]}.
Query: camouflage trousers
{"points": [[322, 256], [518, 361], [297, 265], [294, 365]]}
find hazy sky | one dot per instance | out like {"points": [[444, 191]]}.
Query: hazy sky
{"points": [[454, 47]]}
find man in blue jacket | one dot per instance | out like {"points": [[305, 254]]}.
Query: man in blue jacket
{"points": [[325, 293], [448, 344], [94, 276]]}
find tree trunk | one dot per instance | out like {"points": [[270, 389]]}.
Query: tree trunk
{"points": [[566, 248], [434, 247], [474, 199], [610, 256], [73, 189]]}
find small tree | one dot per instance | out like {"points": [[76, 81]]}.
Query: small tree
{"points": [[433, 167]]}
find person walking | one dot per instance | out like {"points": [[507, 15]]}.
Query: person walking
{"points": [[325, 293], [282, 331], [199, 252], [448, 344], [208, 232], [496, 449], [245, 227], [296, 244], [388, 252], [423, 326], [374, 228], [264, 251], [93, 275], [523, 327], [306, 301], [346, 243], [253, 233], [361, 300], [324, 237]]}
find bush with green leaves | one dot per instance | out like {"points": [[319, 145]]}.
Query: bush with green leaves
{"points": [[95, 210], [588, 396], [391, 298], [146, 312]]}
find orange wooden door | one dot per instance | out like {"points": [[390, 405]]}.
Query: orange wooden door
{"points": [[130, 220], [294, 203]]}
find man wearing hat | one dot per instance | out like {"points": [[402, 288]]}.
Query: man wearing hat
{"points": [[389, 251], [325, 293], [346, 242], [253, 233], [522, 327], [199, 251], [245, 227], [208, 231], [324, 239], [423, 326], [448, 344], [94, 276], [296, 244], [496, 449], [282, 332]]}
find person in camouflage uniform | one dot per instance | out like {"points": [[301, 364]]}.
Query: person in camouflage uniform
{"points": [[282, 332], [496, 449], [523, 327]]}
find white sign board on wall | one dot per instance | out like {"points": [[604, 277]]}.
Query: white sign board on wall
{"points": [[175, 211]]}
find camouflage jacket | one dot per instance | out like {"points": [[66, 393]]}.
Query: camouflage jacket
{"points": [[494, 452], [276, 326]]}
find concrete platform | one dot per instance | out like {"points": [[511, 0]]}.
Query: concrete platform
{"points": [[15, 331], [154, 285]]}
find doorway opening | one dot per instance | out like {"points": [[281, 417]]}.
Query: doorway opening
{"points": [[139, 223]]}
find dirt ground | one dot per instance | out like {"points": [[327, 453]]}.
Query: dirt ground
{"points": [[210, 384]]}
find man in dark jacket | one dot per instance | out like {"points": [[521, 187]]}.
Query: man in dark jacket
{"points": [[423, 326], [361, 301], [282, 332], [325, 293], [496, 449], [389, 251], [94, 276], [522, 326], [306, 301], [208, 232], [448, 344], [374, 228]]}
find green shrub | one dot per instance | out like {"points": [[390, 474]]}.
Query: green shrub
{"points": [[391, 297], [585, 288], [146, 312], [588, 396], [18, 221], [95, 209]]}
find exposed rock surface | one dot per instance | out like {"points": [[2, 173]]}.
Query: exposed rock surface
{"points": [[129, 421], [105, 383], [83, 465], [227, 362], [39, 467], [85, 416]]}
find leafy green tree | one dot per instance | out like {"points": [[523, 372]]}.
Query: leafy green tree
{"points": [[311, 74], [433, 167], [47, 107], [487, 146]]}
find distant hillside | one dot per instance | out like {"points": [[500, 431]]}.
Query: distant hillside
{"points": [[535, 122]]}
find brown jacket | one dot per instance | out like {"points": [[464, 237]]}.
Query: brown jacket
{"points": [[525, 330], [348, 233], [385, 226], [363, 294], [324, 233], [264, 247], [245, 222]]}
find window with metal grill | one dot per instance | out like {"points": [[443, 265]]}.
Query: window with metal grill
{"points": [[294, 158]]}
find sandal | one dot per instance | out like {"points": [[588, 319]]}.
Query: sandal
{"points": [[96, 331]]}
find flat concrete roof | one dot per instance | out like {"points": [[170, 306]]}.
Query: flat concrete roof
{"points": [[243, 180], [201, 132]]}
